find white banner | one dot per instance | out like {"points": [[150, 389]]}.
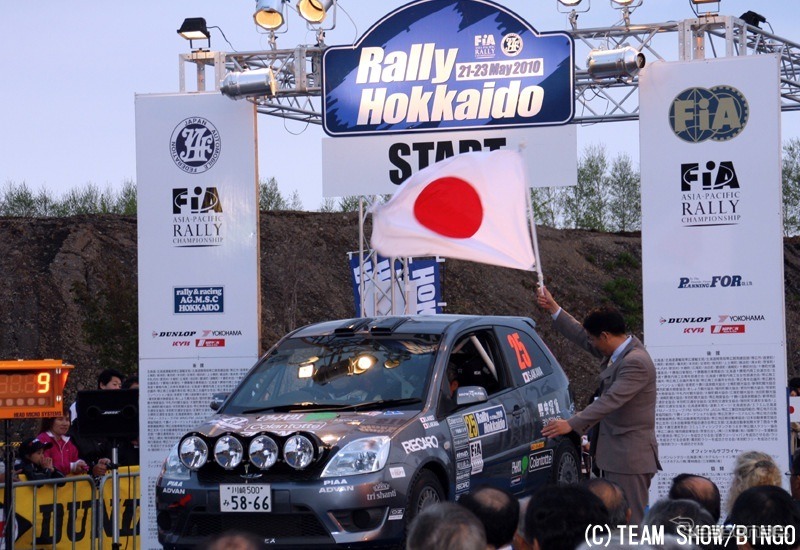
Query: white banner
{"points": [[378, 164], [199, 296], [712, 249]]}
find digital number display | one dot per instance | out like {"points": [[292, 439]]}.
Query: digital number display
{"points": [[31, 389]]}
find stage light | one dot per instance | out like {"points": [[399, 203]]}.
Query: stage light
{"points": [[622, 63], [569, 3], [313, 11], [258, 82], [752, 18], [269, 14], [696, 2], [194, 28], [626, 3]]}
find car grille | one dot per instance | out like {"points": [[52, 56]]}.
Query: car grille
{"points": [[301, 524]]}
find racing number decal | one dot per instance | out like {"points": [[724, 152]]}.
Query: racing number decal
{"points": [[472, 426], [523, 357]]}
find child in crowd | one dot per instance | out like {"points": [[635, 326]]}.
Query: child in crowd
{"points": [[34, 464], [63, 451]]}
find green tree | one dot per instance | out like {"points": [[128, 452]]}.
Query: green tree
{"points": [[545, 202], [790, 176], [585, 204], [270, 197], [624, 195], [349, 203], [18, 200]]}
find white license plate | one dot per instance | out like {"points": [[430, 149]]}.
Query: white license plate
{"points": [[245, 498]]}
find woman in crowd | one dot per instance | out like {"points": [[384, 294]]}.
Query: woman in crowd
{"points": [[62, 451]]}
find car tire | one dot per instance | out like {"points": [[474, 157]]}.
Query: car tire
{"points": [[425, 491], [566, 464]]}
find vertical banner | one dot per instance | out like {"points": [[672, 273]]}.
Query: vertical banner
{"points": [[712, 249], [199, 298], [424, 288]]}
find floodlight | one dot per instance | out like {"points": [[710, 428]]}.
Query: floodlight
{"points": [[313, 11], [269, 14], [569, 3], [753, 19], [696, 2], [194, 28], [621, 63], [257, 82]]}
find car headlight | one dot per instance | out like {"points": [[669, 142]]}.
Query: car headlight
{"points": [[173, 468], [263, 452], [228, 452], [193, 452], [298, 451], [361, 456]]}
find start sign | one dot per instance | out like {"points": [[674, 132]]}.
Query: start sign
{"points": [[32, 389], [448, 65]]}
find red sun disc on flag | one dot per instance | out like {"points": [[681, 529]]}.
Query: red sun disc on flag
{"points": [[451, 207]]}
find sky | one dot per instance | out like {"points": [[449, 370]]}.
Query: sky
{"points": [[71, 71]]}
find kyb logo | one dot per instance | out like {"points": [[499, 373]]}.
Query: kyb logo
{"points": [[711, 178], [198, 200], [719, 113], [195, 145]]}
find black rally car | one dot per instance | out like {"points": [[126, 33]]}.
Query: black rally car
{"points": [[346, 429]]}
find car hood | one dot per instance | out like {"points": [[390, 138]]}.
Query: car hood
{"points": [[328, 426]]}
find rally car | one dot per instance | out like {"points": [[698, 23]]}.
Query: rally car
{"points": [[345, 430]]}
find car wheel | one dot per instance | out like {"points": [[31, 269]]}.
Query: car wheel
{"points": [[425, 491], [566, 464]]}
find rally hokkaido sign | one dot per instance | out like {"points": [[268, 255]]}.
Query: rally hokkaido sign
{"points": [[472, 207], [448, 65]]}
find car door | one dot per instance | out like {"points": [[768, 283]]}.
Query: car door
{"points": [[496, 429]]}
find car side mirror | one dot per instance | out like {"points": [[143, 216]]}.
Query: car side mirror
{"points": [[217, 400], [467, 395]]}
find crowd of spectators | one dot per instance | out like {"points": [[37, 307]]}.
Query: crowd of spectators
{"points": [[60, 450]]}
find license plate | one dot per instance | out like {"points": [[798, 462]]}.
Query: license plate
{"points": [[245, 498]]}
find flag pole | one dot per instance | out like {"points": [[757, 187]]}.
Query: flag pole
{"points": [[534, 238]]}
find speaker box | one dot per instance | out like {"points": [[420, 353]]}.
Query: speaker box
{"points": [[108, 413]]}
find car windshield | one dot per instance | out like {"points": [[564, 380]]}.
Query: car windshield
{"points": [[338, 372]]}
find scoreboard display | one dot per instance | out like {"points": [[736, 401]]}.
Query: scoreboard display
{"points": [[32, 389]]}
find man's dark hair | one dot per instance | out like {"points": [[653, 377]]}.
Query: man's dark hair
{"points": [[446, 526], [605, 319], [765, 505], [106, 375], [130, 381], [498, 511], [613, 498], [699, 489], [794, 383], [672, 513], [557, 516]]}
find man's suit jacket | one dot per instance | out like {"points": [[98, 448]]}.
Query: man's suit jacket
{"points": [[625, 409]]}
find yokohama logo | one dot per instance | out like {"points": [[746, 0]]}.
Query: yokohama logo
{"points": [[210, 343], [727, 329]]}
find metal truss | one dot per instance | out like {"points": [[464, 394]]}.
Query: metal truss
{"points": [[298, 72]]}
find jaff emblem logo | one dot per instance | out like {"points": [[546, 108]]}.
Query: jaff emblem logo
{"points": [[718, 113], [195, 145], [198, 200], [511, 44]]}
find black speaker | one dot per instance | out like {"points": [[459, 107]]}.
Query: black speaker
{"points": [[109, 413]]}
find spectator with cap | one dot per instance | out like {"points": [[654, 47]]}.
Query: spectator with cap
{"points": [[35, 466], [497, 510], [699, 489]]}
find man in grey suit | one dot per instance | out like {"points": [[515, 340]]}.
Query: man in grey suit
{"points": [[626, 449]]}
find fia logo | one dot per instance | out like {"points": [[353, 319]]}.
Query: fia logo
{"points": [[511, 44], [713, 177], [195, 145], [201, 201], [719, 114], [484, 46]]}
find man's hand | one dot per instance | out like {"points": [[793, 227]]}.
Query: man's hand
{"points": [[101, 467], [545, 300], [556, 427]]}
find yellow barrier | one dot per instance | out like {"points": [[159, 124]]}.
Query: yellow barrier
{"points": [[60, 514]]}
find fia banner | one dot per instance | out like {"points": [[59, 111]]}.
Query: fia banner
{"points": [[199, 296], [424, 290], [712, 248]]}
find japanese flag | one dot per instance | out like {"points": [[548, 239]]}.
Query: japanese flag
{"points": [[471, 206]]}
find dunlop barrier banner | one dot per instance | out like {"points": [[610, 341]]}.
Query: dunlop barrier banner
{"points": [[61, 515]]}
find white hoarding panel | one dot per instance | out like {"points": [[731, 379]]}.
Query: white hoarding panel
{"points": [[712, 249], [199, 295], [378, 164]]}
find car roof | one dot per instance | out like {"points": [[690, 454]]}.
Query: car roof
{"points": [[405, 324]]}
